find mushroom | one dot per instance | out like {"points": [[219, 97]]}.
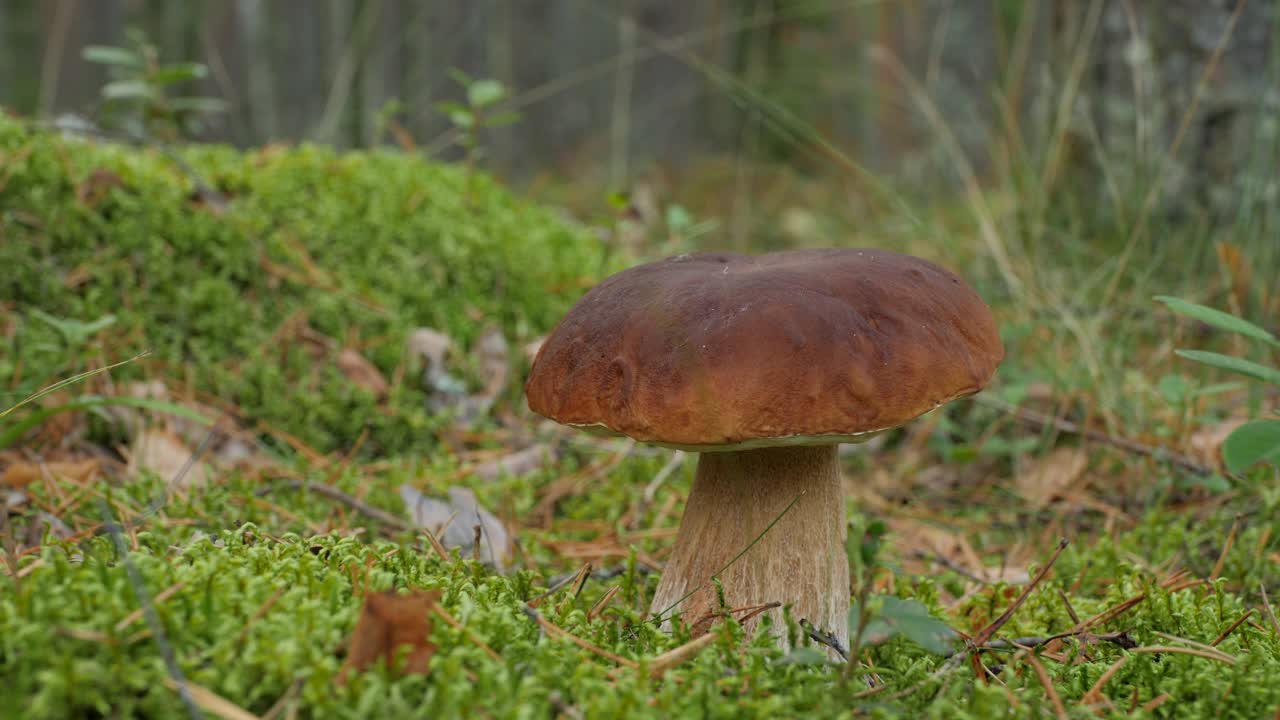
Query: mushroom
{"points": [[763, 365]]}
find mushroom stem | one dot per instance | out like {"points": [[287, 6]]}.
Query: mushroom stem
{"points": [[800, 560]]}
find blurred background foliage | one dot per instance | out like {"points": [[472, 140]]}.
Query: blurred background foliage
{"points": [[618, 90]]}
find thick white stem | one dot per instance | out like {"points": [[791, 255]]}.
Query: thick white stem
{"points": [[800, 560]]}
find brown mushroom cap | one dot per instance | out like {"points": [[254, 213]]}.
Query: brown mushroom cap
{"points": [[722, 351]]}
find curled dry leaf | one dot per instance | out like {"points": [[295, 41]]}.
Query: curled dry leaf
{"points": [[453, 522], [164, 453], [361, 372], [22, 473], [1049, 477], [388, 622]]}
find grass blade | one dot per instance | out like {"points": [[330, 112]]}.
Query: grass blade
{"points": [[1219, 319], [1233, 364], [11, 434]]}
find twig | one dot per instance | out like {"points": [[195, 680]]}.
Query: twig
{"points": [[334, 493], [149, 612], [1095, 692], [1043, 674], [1226, 548], [672, 658], [212, 702], [444, 615], [822, 637], [552, 629], [953, 567], [1219, 656], [1271, 614], [982, 637], [1231, 628], [1039, 419], [160, 597]]}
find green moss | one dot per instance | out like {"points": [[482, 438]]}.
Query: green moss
{"points": [[363, 247]]}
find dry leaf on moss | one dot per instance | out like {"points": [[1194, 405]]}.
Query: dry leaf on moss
{"points": [[1049, 477], [164, 453], [388, 622], [22, 473], [453, 521], [361, 372]]}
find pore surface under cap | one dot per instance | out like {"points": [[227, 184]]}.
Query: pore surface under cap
{"points": [[721, 350]]}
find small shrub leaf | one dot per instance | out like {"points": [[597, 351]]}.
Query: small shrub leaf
{"points": [[1253, 442]]}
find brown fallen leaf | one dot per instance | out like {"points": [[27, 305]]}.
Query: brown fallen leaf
{"points": [[1205, 444], [1048, 477], [361, 372], [164, 453], [387, 622], [21, 474]]}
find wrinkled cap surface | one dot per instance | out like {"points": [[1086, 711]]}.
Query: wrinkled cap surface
{"points": [[722, 351]]}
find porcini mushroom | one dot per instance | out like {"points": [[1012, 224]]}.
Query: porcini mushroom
{"points": [[763, 365]]}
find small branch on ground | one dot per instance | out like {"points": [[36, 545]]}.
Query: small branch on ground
{"points": [[1041, 420], [334, 493], [822, 637]]}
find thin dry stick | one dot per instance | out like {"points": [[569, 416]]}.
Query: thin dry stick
{"points": [[667, 660], [334, 493], [603, 602], [1231, 628], [982, 637], [444, 615], [1043, 674], [213, 703], [1226, 548], [160, 597], [553, 629], [149, 612], [1271, 614], [1041, 420], [1219, 656], [1201, 646], [1095, 693]]}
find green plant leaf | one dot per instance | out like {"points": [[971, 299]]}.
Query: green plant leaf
{"points": [[178, 72], [1233, 364], [1218, 319], [108, 55], [126, 90], [483, 93], [1253, 442], [198, 104], [908, 618], [74, 331], [911, 619]]}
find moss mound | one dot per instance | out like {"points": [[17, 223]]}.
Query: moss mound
{"points": [[359, 247]]}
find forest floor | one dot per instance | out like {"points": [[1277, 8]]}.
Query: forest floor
{"points": [[315, 397]]}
